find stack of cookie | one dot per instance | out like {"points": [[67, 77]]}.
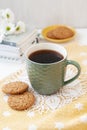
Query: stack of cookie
{"points": [[19, 96]]}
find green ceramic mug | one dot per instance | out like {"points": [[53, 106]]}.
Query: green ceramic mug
{"points": [[48, 78]]}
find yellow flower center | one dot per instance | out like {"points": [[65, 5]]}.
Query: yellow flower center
{"points": [[18, 28], [8, 15], [8, 28]]}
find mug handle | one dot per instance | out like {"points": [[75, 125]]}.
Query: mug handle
{"points": [[78, 73]]}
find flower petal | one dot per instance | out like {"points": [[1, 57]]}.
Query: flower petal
{"points": [[20, 27], [8, 15]]}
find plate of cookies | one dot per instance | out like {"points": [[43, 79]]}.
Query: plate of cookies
{"points": [[58, 33]]}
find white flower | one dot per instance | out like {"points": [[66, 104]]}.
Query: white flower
{"points": [[8, 28], [8, 15], [7, 23], [20, 27]]}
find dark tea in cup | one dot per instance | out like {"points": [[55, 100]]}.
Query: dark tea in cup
{"points": [[45, 56]]}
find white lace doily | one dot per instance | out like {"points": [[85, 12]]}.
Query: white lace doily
{"points": [[64, 96]]}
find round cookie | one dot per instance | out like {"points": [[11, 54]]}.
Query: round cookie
{"points": [[15, 87], [21, 101], [63, 32], [50, 35]]}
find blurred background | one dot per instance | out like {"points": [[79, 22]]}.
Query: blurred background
{"points": [[41, 13]]}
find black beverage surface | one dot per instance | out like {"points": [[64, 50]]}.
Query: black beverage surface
{"points": [[45, 56]]}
